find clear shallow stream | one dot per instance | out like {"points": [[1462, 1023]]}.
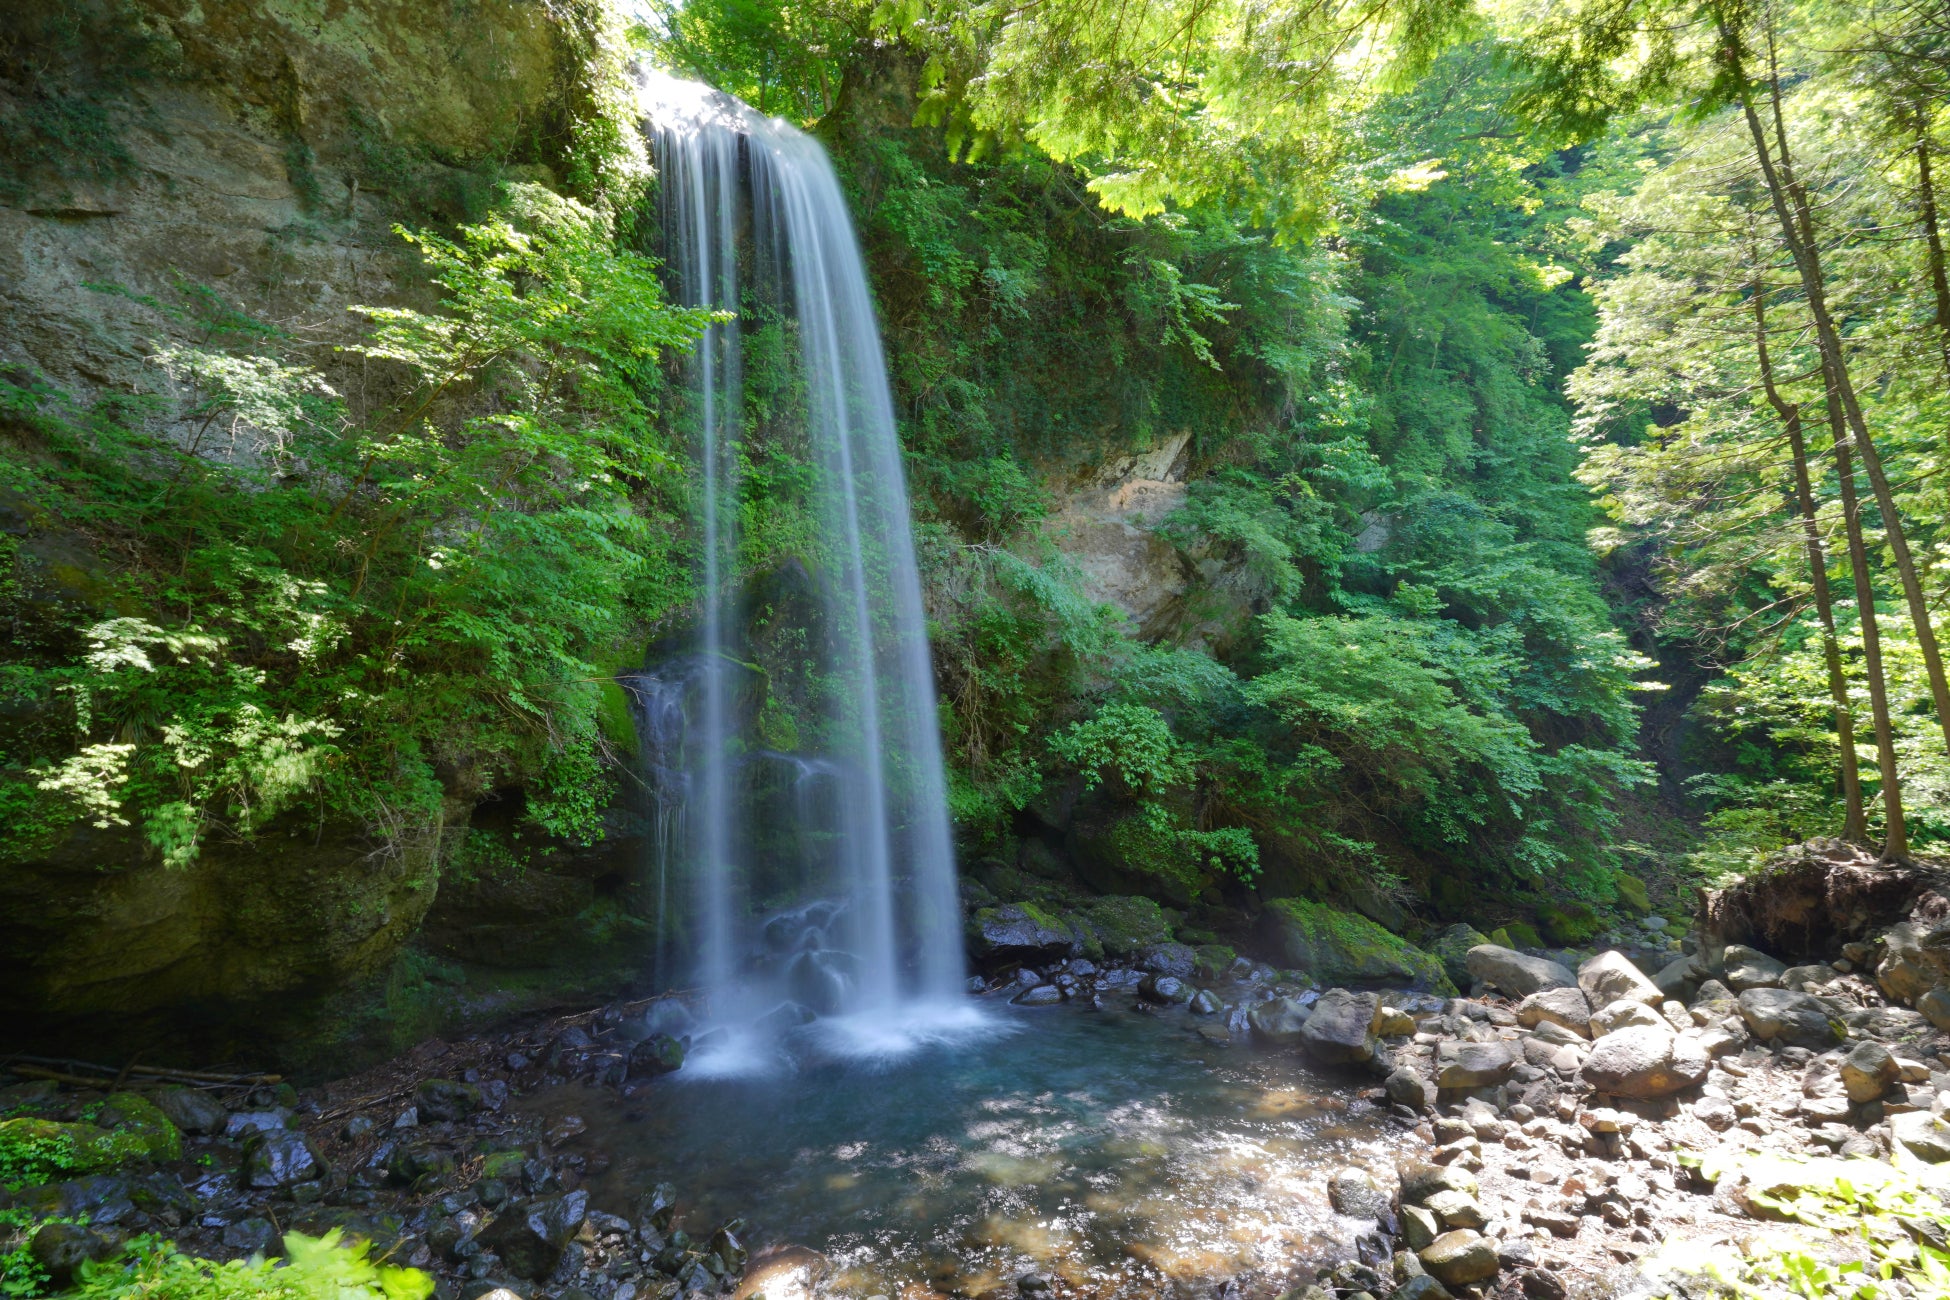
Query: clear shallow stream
{"points": [[1120, 1153]]}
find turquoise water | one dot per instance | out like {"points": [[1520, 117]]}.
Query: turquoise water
{"points": [[1115, 1151]]}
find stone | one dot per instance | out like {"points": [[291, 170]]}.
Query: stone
{"points": [[1341, 1029], [447, 1099], [1921, 1134], [1935, 1006], [1451, 948], [1569, 922], [1867, 1071], [1567, 1007], [279, 1159], [1679, 978], [1421, 1180], [1799, 1019], [1419, 1227], [1019, 932], [1713, 1000], [1405, 1087], [1514, 973], [1627, 1014], [191, 1109], [659, 1054], [1174, 959], [1357, 1194], [60, 1249], [1460, 1258], [1908, 968], [1420, 1287], [1556, 1035], [1165, 990], [253, 1236], [1279, 1020], [531, 1235], [1456, 1210], [1749, 968], [1205, 1003], [1347, 949], [1644, 1062], [1610, 977], [1472, 1065], [141, 1126], [1632, 892], [1717, 1113], [1042, 995], [1391, 1022]]}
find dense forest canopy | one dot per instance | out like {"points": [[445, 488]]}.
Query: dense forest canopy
{"points": [[1540, 370]]}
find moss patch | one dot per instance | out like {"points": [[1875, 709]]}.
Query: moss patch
{"points": [[1124, 924], [1341, 948], [1569, 923]]}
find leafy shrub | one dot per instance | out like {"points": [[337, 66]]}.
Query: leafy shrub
{"points": [[313, 1268]]}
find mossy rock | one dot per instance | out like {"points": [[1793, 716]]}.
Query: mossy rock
{"points": [[1213, 960], [132, 1115], [1020, 932], [1123, 924], [1569, 923], [1341, 948], [43, 1150], [1632, 892], [1451, 948], [1517, 934]]}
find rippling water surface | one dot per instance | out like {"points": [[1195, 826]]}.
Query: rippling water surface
{"points": [[1121, 1153]]}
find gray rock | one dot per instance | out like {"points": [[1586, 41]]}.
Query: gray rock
{"points": [[1798, 1019], [1419, 1227], [1357, 1194], [1205, 1003], [253, 1236], [1472, 1065], [1279, 1020], [656, 1055], [1911, 965], [245, 1122], [1567, 1007], [1556, 1035], [1626, 1013], [1174, 959], [1451, 948], [1714, 1000], [1717, 1113], [1611, 977], [1867, 1071], [1644, 1062], [1460, 1258], [1680, 978], [1922, 1134], [1165, 989], [1407, 1088], [1420, 1287], [1750, 968], [1019, 932], [60, 1249], [531, 1235], [1420, 1180], [451, 1100], [1456, 1210], [191, 1109], [1515, 974], [1341, 1029], [279, 1158], [1935, 1006], [1043, 995]]}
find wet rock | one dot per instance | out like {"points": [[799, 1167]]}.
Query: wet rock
{"points": [[1341, 1029], [1405, 1087], [447, 1099], [1541, 1284], [531, 1236], [1644, 1062], [1165, 989], [1357, 1194], [1020, 932], [728, 1248], [1472, 1065], [1565, 1007], [1042, 995], [245, 1122], [1176, 960], [1279, 1020], [1460, 1258], [253, 1236], [1455, 1209], [1626, 1014], [1420, 1287], [565, 1128], [659, 1054], [1750, 968], [1515, 974], [657, 1207], [60, 1249], [280, 1159], [1420, 1180], [1611, 977], [1419, 1227], [191, 1109], [1205, 1003], [1799, 1019]]}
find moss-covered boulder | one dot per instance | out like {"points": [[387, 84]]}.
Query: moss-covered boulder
{"points": [[41, 1150], [1019, 932], [1569, 922], [1521, 935], [134, 1116], [1340, 948], [1123, 925], [1632, 892], [1451, 948]]}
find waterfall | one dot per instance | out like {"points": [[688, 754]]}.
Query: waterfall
{"points": [[752, 213]]}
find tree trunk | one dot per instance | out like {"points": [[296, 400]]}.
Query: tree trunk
{"points": [[1926, 203], [1855, 825], [1797, 232]]}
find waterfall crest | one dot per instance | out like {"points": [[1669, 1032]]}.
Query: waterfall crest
{"points": [[752, 212]]}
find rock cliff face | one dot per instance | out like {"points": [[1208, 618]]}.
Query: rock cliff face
{"points": [[169, 168]]}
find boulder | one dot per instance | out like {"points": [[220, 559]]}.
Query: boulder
{"points": [[1909, 966], [1419, 1227], [1867, 1071], [1166, 990], [1174, 959], [1713, 1000], [60, 1249], [1341, 1029], [1019, 932], [531, 1235], [1124, 925], [1472, 1065], [1569, 922], [1392, 1022], [1042, 995], [191, 1109], [656, 1055], [1357, 1194], [1515, 974], [1645, 1062], [1680, 978], [1460, 1258], [1407, 1088], [1625, 1013], [1611, 977], [132, 1116], [1278, 1020], [1632, 893], [1749, 968], [1346, 949], [279, 1158], [1798, 1019], [1205, 1003], [1921, 1134], [447, 1099], [83, 1147], [1557, 1006], [1935, 1006], [1451, 948], [1420, 1180]]}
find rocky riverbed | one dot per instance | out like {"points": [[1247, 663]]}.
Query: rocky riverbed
{"points": [[1565, 1130]]}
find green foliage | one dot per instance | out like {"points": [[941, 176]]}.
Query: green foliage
{"points": [[326, 606], [313, 1268]]}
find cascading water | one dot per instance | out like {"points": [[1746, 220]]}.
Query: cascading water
{"points": [[871, 941]]}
